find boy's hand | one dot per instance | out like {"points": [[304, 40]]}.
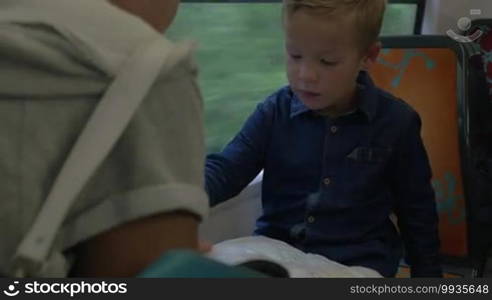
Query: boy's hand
{"points": [[204, 247]]}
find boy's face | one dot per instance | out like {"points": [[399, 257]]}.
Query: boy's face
{"points": [[324, 59]]}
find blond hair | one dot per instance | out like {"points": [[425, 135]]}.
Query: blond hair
{"points": [[368, 14]]}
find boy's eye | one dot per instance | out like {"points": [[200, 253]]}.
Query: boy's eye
{"points": [[328, 63], [295, 56]]}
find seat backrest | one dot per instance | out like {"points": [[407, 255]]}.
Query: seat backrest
{"points": [[485, 43], [424, 72]]}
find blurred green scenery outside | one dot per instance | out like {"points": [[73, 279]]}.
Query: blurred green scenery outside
{"points": [[241, 57]]}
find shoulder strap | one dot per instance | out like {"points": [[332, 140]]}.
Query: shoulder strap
{"points": [[104, 127]]}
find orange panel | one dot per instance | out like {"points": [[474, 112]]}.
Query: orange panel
{"points": [[426, 79]]}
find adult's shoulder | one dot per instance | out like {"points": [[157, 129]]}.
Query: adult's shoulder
{"points": [[102, 35]]}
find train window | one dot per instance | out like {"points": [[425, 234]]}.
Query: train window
{"points": [[241, 55]]}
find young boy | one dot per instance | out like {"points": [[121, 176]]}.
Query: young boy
{"points": [[339, 155], [57, 58]]}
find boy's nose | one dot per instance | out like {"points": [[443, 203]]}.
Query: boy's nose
{"points": [[307, 73]]}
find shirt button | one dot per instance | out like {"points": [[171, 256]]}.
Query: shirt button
{"points": [[327, 181], [311, 219], [334, 129]]}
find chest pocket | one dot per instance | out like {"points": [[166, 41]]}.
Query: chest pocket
{"points": [[370, 155]]}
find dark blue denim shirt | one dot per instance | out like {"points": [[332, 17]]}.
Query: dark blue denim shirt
{"points": [[330, 185]]}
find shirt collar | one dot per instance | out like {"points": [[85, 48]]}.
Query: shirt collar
{"points": [[297, 107], [367, 94]]}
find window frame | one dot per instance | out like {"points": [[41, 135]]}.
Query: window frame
{"points": [[418, 19]]}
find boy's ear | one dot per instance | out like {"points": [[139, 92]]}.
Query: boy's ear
{"points": [[371, 55]]}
